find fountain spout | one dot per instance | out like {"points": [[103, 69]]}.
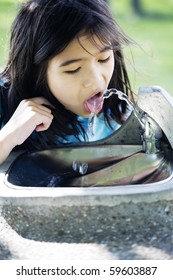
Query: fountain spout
{"points": [[148, 126], [149, 137], [158, 104]]}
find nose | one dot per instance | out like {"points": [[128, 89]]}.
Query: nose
{"points": [[94, 77]]}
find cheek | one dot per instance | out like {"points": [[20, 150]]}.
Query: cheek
{"points": [[112, 65], [110, 70], [56, 86], [64, 89]]}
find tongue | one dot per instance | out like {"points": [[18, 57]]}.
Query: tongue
{"points": [[95, 104]]}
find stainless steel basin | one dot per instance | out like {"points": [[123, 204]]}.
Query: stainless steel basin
{"points": [[91, 166]]}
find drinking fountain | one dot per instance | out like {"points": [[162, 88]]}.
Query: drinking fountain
{"points": [[127, 175], [140, 152]]}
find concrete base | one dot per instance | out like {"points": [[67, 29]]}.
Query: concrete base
{"points": [[126, 231]]}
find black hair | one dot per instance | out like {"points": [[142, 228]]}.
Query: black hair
{"points": [[43, 29]]}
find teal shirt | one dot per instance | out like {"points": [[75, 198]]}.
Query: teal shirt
{"points": [[100, 129]]}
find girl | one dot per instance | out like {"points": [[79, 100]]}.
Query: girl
{"points": [[63, 55]]}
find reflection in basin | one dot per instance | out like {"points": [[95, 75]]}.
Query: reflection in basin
{"points": [[103, 166]]}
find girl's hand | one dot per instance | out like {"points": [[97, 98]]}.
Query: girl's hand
{"points": [[30, 115]]}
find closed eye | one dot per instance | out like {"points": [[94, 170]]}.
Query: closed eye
{"points": [[73, 71], [104, 60]]}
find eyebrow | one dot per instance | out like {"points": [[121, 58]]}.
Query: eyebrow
{"points": [[71, 61]]}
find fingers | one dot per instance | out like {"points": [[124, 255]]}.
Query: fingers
{"points": [[42, 127], [39, 114], [30, 115], [41, 101], [35, 106]]}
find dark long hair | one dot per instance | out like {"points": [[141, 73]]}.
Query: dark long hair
{"points": [[43, 29]]}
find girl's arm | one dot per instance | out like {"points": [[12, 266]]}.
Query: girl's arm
{"points": [[30, 115]]}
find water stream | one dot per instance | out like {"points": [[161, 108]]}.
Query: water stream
{"points": [[122, 96]]}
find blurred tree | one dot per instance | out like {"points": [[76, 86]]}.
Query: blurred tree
{"points": [[139, 9], [137, 6]]}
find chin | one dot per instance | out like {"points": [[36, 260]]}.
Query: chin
{"points": [[84, 115]]}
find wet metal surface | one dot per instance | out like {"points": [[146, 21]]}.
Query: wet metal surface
{"points": [[106, 166]]}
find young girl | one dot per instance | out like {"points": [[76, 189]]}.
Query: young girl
{"points": [[63, 55]]}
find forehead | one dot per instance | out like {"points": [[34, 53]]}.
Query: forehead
{"points": [[86, 44], [80, 48]]}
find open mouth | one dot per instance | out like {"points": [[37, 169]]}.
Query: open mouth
{"points": [[95, 103]]}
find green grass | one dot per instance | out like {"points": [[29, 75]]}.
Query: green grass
{"points": [[8, 9], [153, 61]]}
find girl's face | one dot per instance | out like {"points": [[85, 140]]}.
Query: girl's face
{"points": [[78, 75]]}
